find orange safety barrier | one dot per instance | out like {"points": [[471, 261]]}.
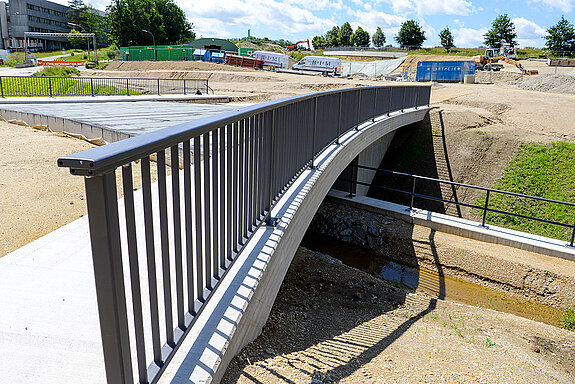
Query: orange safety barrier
{"points": [[62, 63]]}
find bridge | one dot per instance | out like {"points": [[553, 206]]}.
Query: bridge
{"points": [[188, 266]]}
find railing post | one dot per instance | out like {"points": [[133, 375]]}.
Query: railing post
{"points": [[358, 108], [207, 88], [390, 98], [572, 236], [50, 86], [110, 291], [92, 85], [314, 132], [128, 87], [412, 193], [184, 86], [271, 222], [485, 209], [158, 87], [1, 87], [339, 118], [403, 100], [374, 105]]}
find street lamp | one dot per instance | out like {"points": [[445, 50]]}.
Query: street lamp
{"points": [[154, 41], [95, 51]]}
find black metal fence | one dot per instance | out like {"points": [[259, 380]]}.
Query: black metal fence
{"points": [[11, 86], [217, 181], [485, 209]]}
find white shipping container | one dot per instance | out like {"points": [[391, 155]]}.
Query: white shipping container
{"points": [[326, 65], [272, 59]]}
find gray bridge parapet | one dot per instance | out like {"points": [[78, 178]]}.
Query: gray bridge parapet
{"points": [[177, 264]]}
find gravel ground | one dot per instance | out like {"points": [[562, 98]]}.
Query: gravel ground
{"points": [[332, 323]]}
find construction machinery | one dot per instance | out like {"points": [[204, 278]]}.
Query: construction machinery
{"points": [[295, 46], [490, 60]]}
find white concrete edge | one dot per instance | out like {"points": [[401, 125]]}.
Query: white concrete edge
{"points": [[111, 99], [215, 336], [462, 227]]}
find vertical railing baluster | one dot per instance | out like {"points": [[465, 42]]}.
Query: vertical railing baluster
{"points": [[339, 117], [358, 108], [241, 182], [92, 86], [187, 152], [207, 212], [270, 220], [412, 193], [215, 204], [50, 86], [390, 100], [1, 87], [128, 87], [128, 186], [572, 236], [223, 171], [236, 183], [374, 105], [198, 205], [313, 132], [165, 247], [231, 191], [158, 87], [102, 202], [151, 260], [177, 220], [485, 209]]}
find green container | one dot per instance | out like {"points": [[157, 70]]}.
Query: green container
{"points": [[246, 52]]}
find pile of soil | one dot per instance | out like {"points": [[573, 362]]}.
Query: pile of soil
{"points": [[549, 83]]}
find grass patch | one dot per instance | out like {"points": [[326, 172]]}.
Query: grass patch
{"points": [[470, 52], [568, 319], [40, 86], [57, 72], [537, 170]]}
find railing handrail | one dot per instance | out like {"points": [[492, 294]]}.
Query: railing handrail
{"points": [[485, 208], [103, 78], [102, 159]]}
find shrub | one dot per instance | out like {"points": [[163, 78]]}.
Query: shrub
{"points": [[57, 72]]}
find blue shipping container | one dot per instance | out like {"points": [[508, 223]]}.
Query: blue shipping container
{"points": [[218, 57], [444, 71], [202, 54]]}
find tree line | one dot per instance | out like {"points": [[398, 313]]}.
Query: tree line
{"points": [[127, 20], [560, 38]]}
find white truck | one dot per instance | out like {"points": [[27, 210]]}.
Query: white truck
{"points": [[272, 59], [326, 65]]}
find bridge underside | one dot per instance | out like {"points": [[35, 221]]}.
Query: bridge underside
{"points": [[240, 305]]}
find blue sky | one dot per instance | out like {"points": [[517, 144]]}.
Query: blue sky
{"points": [[302, 19]]}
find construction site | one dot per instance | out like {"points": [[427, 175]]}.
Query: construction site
{"points": [[480, 122]]}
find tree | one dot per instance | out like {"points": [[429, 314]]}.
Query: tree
{"points": [[74, 39], [163, 18], [318, 42], [561, 38], [446, 38], [360, 38], [378, 38], [89, 20], [344, 36], [410, 35], [502, 30], [332, 37]]}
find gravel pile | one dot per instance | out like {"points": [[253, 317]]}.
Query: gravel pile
{"points": [[549, 83]]}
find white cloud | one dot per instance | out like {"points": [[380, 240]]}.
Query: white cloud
{"points": [[318, 5], [469, 37], [286, 18], [564, 5], [373, 19], [527, 29], [432, 7]]}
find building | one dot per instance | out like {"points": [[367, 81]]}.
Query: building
{"points": [[215, 45], [19, 16]]}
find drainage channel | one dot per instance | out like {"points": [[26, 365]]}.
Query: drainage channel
{"points": [[431, 282]]}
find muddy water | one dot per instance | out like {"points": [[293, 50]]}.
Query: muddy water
{"points": [[431, 282]]}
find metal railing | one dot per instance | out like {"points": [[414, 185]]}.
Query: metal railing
{"points": [[217, 180], [484, 208], [11, 86]]}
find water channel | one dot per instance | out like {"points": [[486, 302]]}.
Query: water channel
{"points": [[431, 282]]}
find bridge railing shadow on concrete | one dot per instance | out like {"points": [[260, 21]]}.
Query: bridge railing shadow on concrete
{"points": [[218, 179]]}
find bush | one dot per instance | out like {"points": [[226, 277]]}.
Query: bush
{"points": [[57, 72]]}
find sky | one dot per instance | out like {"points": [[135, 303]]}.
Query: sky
{"points": [[296, 20]]}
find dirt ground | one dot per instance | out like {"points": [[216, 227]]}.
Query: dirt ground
{"points": [[332, 323]]}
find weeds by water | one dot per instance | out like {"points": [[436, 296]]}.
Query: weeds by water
{"points": [[568, 320]]}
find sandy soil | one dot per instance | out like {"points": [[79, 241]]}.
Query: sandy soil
{"points": [[335, 324], [327, 326]]}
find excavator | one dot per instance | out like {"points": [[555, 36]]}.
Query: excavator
{"points": [[490, 60], [292, 47]]}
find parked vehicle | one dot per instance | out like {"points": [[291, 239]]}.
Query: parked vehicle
{"points": [[272, 59], [325, 65]]}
